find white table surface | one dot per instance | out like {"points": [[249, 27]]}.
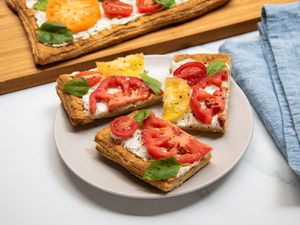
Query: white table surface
{"points": [[37, 188]]}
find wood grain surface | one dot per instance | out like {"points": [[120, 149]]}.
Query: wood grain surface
{"points": [[18, 71]]}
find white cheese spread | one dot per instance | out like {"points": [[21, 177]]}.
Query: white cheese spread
{"points": [[103, 23], [30, 3], [180, 1], [188, 119], [101, 106], [113, 90], [136, 146], [76, 72], [186, 168], [175, 65], [211, 89]]}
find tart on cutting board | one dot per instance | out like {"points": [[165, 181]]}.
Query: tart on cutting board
{"points": [[62, 29]]}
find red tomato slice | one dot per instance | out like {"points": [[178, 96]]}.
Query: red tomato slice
{"points": [[131, 90], [163, 140], [92, 103], [213, 103], [219, 101], [147, 6], [124, 126], [193, 72], [217, 79], [116, 9], [203, 115], [93, 77]]}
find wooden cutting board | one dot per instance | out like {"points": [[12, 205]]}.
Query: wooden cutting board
{"points": [[18, 71]]}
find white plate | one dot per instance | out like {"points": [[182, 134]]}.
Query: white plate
{"points": [[77, 148]]}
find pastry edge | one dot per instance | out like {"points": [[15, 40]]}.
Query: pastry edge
{"points": [[136, 166]]}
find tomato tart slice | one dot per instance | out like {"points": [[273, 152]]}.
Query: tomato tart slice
{"points": [[197, 94], [153, 149], [111, 89]]}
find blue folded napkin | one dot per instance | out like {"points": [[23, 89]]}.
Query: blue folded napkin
{"points": [[268, 70]]}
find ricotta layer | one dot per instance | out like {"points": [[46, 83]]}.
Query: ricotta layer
{"points": [[136, 146], [101, 106]]}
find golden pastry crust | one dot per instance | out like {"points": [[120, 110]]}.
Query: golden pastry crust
{"points": [[74, 107], [44, 54], [203, 58], [207, 58], [108, 148]]}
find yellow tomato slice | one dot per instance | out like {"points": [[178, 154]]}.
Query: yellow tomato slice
{"points": [[177, 98], [131, 65], [77, 15]]}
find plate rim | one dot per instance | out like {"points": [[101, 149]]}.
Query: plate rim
{"points": [[163, 195]]}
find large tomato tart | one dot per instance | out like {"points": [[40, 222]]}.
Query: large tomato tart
{"points": [[64, 29], [113, 88], [153, 149], [197, 93]]}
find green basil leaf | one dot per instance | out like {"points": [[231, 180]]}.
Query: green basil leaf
{"points": [[215, 67], [166, 3], [152, 83], [54, 33], [78, 87], [162, 169], [40, 5], [141, 115]]}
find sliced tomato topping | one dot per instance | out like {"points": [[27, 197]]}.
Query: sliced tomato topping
{"points": [[77, 15], [204, 105], [204, 115], [217, 79], [119, 91], [92, 103], [163, 139], [116, 9], [218, 103], [124, 126], [93, 77], [147, 6], [193, 72]]}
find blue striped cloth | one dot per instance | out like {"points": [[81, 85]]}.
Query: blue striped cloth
{"points": [[268, 70]]}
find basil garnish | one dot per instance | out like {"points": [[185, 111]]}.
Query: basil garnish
{"points": [[78, 87], [141, 115], [166, 3], [162, 169], [152, 83], [40, 5], [215, 67], [54, 33]]}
